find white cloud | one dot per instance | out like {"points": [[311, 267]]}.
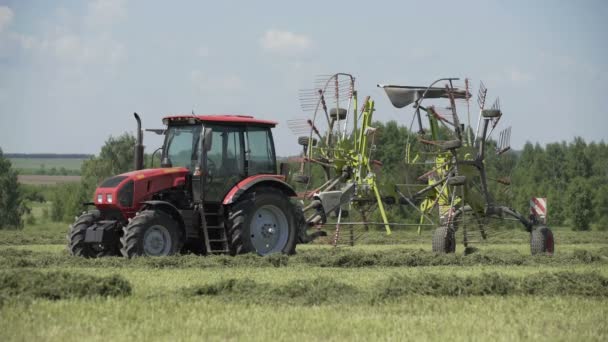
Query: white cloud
{"points": [[284, 41], [104, 13], [518, 76], [225, 83], [6, 17], [420, 53], [64, 43], [202, 51], [513, 75]]}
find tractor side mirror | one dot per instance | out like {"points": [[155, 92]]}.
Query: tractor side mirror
{"points": [[207, 139]]}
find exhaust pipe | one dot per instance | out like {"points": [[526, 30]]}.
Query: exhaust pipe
{"points": [[139, 147]]}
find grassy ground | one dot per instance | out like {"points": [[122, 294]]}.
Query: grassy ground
{"points": [[389, 290]]}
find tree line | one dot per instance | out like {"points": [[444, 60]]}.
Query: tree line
{"points": [[573, 176]]}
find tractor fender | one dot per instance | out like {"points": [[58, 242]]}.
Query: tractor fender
{"points": [[167, 208], [276, 181]]}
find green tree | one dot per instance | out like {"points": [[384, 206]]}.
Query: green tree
{"points": [[11, 201], [580, 201], [116, 157], [578, 163]]}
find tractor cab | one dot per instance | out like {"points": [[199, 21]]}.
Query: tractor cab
{"points": [[219, 151]]}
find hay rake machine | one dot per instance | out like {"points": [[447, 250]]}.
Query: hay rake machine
{"points": [[338, 175]]}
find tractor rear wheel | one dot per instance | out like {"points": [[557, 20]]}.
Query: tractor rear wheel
{"points": [[541, 241], [151, 233], [76, 236], [444, 240], [262, 223]]}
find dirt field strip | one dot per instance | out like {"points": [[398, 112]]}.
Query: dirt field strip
{"points": [[47, 180]]}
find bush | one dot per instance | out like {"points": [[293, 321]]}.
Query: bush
{"points": [[45, 214], [30, 219], [67, 202]]}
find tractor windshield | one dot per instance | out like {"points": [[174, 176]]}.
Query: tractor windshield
{"points": [[181, 144]]}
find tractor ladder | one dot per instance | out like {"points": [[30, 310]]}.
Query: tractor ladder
{"points": [[214, 232]]}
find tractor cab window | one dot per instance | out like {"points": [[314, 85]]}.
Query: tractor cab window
{"points": [[261, 158], [181, 145], [226, 155]]}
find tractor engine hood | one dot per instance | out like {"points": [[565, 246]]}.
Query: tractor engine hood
{"points": [[127, 190]]}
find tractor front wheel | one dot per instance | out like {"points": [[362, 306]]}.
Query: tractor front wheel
{"points": [[263, 223], [76, 238], [151, 233]]}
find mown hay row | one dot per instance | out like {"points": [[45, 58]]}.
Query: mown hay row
{"points": [[318, 290], [542, 284], [343, 258], [323, 290], [28, 284]]}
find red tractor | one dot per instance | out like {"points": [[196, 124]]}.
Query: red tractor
{"points": [[217, 192]]}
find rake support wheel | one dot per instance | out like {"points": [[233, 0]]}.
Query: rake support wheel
{"points": [[303, 141], [337, 113], [491, 113], [541, 241], [444, 240]]}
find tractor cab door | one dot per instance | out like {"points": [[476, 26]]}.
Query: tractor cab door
{"points": [[260, 157], [225, 161]]}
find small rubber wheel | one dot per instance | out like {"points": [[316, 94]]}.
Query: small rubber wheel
{"points": [[541, 241], [457, 180], [337, 113], [450, 144], [444, 240], [491, 113], [302, 179], [305, 139]]}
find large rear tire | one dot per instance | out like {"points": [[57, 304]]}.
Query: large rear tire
{"points": [[541, 241], [444, 240], [262, 223], [151, 233], [76, 235]]}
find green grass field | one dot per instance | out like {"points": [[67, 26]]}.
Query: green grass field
{"points": [[390, 289], [30, 166]]}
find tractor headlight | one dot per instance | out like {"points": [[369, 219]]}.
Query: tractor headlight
{"points": [[109, 198], [99, 198], [125, 195]]}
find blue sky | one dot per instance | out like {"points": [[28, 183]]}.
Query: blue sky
{"points": [[73, 72]]}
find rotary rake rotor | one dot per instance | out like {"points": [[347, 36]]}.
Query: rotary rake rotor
{"points": [[336, 167], [451, 189]]}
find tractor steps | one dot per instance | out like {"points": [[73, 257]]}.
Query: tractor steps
{"points": [[214, 233]]}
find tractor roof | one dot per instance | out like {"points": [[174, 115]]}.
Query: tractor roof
{"points": [[224, 118]]}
